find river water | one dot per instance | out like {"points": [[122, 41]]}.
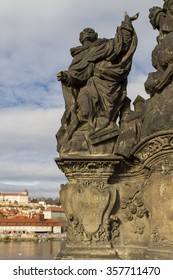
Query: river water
{"points": [[30, 250]]}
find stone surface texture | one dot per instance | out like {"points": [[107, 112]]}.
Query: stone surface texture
{"points": [[118, 161]]}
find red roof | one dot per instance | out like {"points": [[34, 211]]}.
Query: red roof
{"points": [[24, 193], [55, 209], [24, 221], [13, 194], [8, 213]]}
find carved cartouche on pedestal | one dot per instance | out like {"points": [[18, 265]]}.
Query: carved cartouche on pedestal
{"points": [[89, 201]]}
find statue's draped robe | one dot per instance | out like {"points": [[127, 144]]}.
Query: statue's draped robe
{"points": [[98, 78]]}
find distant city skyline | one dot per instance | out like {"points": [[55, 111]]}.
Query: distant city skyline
{"points": [[36, 37]]}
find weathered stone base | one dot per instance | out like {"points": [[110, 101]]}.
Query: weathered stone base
{"points": [[143, 253], [120, 253], [120, 208], [81, 253]]}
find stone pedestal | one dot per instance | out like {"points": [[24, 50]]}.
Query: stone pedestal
{"points": [[117, 208], [90, 204], [90, 253]]}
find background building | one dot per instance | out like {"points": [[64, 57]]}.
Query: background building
{"points": [[54, 212], [29, 225], [20, 198]]}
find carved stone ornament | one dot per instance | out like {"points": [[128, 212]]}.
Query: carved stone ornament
{"points": [[152, 146], [165, 167], [91, 223], [133, 208], [85, 168], [159, 241], [157, 195]]}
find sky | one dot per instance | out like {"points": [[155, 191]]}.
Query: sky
{"points": [[35, 39]]}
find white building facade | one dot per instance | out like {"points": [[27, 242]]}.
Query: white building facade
{"points": [[20, 198]]}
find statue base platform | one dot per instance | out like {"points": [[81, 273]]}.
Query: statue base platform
{"points": [[83, 253], [120, 208], [120, 253]]}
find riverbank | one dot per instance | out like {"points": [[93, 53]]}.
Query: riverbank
{"points": [[35, 238]]}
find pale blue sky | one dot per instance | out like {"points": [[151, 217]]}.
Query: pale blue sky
{"points": [[35, 38]]}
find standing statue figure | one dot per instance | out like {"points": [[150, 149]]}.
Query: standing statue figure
{"points": [[159, 83], [162, 55], [94, 88]]}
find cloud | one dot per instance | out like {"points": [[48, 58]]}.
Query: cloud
{"points": [[29, 146], [36, 37]]}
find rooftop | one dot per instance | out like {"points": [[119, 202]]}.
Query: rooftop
{"points": [[55, 209], [24, 193], [25, 221]]}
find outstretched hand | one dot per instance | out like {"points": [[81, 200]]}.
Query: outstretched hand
{"points": [[65, 78], [126, 17], [61, 76]]}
